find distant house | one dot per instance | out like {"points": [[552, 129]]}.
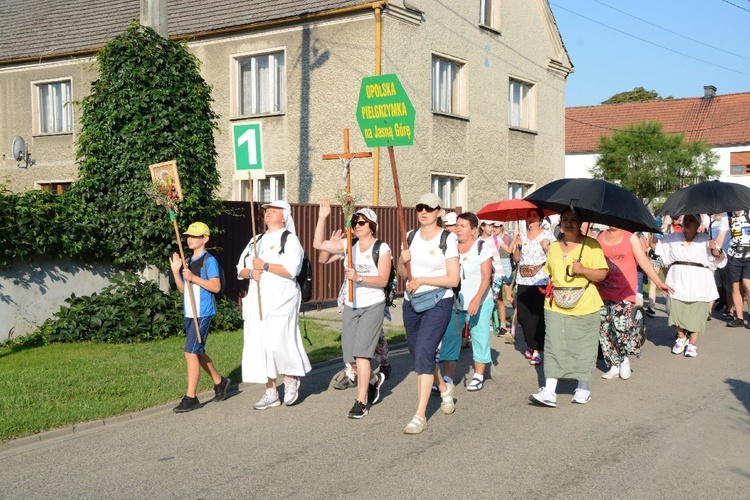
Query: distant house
{"points": [[487, 79], [722, 121]]}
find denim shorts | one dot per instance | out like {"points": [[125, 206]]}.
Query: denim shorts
{"points": [[192, 346]]}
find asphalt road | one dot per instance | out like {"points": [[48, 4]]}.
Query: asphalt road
{"points": [[678, 428]]}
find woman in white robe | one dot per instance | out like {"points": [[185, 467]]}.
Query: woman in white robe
{"points": [[273, 346]]}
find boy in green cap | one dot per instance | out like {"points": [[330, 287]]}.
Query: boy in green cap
{"points": [[203, 272]]}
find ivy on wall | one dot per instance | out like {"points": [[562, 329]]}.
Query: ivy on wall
{"points": [[148, 105]]}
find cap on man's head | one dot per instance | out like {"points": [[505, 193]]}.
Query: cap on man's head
{"points": [[278, 204], [367, 213], [430, 199], [197, 229], [450, 219]]}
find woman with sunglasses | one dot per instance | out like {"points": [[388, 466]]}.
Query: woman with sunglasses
{"points": [[473, 304], [530, 256], [362, 316], [433, 261], [571, 315]]}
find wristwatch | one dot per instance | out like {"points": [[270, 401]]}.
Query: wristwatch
{"points": [[265, 266], [360, 279]]}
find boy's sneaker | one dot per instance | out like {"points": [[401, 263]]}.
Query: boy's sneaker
{"points": [[691, 350], [187, 404], [359, 410], [386, 370], [650, 312], [291, 391], [544, 398], [679, 345], [581, 396], [373, 390], [736, 323], [267, 401], [220, 389], [344, 383]]}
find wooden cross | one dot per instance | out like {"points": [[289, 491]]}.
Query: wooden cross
{"points": [[346, 158]]}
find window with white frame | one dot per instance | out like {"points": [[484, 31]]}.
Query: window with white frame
{"points": [[450, 189], [261, 84], [448, 84], [272, 188], [52, 107], [518, 190], [521, 105], [489, 14]]}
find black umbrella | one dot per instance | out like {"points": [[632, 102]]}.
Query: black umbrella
{"points": [[708, 197], [597, 201]]}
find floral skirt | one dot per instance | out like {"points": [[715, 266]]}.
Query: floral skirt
{"points": [[618, 336]]}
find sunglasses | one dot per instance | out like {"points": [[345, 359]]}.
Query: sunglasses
{"points": [[360, 223], [425, 208]]}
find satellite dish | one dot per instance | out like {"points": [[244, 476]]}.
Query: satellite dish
{"points": [[19, 149]]}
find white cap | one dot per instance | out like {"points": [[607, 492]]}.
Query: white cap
{"points": [[368, 213], [450, 219], [278, 204]]}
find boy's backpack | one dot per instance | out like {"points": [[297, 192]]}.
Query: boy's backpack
{"points": [[390, 288], [220, 294]]}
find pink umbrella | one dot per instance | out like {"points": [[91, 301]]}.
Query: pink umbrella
{"points": [[509, 210]]}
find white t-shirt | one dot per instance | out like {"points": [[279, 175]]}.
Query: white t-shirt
{"points": [[471, 273], [428, 261], [363, 263]]}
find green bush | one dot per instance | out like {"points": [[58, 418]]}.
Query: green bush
{"points": [[129, 310]]}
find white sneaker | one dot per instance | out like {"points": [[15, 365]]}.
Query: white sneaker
{"points": [[612, 373], [625, 370], [291, 391], [581, 396], [679, 345], [544, 397], [268, 400], [691, 350]]}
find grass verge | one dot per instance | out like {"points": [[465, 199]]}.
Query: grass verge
{"points": [[51, 386]]}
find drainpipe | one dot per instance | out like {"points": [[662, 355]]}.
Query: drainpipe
{"points": [[378, 47]]}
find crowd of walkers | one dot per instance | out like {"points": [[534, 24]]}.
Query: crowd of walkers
{"points": [[573, 291]]}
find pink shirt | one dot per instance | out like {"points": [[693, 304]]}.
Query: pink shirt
{"points": [[622, 280]]}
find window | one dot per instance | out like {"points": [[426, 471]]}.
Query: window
{"points": [[272, 188], [521, 106], [447, 86], [450, 189], [518, 190], [53, 112], [56, 187], [261, 84], [740, 163], [489, 14]]}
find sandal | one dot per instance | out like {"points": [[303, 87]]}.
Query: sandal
{"points": [[475, 385], [509, 337], [528, 354], [416, 426], [536, 359], [447, 406]]}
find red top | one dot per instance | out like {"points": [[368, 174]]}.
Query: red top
{"points": [[622, 280]]}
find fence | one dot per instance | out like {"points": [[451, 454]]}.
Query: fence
{"points": [[235, 233]]}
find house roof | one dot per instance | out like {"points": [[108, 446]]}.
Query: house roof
{"points": [[722, 120], [42, 29]]}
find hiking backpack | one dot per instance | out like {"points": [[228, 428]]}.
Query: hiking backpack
{"points": [[305, 276]]}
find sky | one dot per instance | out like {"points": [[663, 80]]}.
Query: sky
{"points": [[675, 47]]}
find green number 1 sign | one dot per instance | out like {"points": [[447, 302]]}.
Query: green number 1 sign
{"points": [[248, 154]]}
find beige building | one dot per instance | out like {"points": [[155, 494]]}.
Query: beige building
{"points": [[486, 77]]}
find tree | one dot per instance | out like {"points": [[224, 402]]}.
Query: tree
{"points": [[650, 163], [638, 94], [148, 105]]}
